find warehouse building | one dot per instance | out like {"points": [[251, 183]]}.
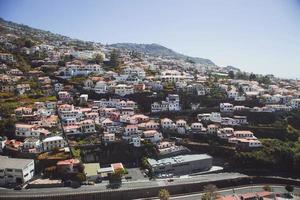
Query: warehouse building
{"points": [[180, 165]]}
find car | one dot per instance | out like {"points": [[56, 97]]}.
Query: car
{"points": [[75, 184], [91, 183], [67, 183], [18, 187], [98, 180]]}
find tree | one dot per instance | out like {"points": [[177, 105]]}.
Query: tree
{"points": [[289, 188], [211, 191], [80, 177], [50, 171], [98, 59], [116, 177], [205, 197], [115, 58], [144, 163], [252, 77], [267, 188], [28, 43], [164, 194], [231, 74], [264, 80]]}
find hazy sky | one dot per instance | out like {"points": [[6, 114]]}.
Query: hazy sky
{"points": [[261, 36]]}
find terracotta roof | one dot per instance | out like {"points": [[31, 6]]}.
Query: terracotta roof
{"points": [[68, 162]]}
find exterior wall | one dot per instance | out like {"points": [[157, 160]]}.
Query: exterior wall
{"points": [[48, 146], [12, 175], [184, 168]]}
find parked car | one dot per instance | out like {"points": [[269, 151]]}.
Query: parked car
{"points": [[18, 187]]}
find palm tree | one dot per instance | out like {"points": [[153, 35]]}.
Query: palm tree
{"points": [[163, 194], [205, 197], [267, 188], [289, 188], [210, 191]]}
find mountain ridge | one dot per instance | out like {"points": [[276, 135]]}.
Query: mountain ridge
{"points": [[155, 49]]}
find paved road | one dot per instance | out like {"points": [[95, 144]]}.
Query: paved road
{"points": [[240, 190], [125, 185]]}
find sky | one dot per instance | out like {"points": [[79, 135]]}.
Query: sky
{"points": [[260, 36]]}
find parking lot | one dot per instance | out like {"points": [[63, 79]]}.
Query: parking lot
{"points": [[135, 174]]}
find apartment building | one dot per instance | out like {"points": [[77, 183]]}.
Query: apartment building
{"points": [[15, 170]]}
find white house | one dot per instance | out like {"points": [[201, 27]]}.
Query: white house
{"points": [[228, 121], [295, 103], [2, 143], [7, 57], [87, 126], [32, 145], [130, 131], [225, 133], [53, 142], [83, 98], [109, 137], [82, 69], [213, 117], [171, 104], [101, 87], [122, 89], [67, 111], [64, 96], [240, 120], [167, 123], [181, 123], [226, 107], [248, 143], [232, 94], [28, 130], [197, 126], [173, 100], [212, 129], [136, 141], [153, 136], [137, 71]]}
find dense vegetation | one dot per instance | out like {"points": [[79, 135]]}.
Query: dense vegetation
{"points": [[275, 155]]}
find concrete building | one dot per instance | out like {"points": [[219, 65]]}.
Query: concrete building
{"points": [[180, 165], [15, 171]]}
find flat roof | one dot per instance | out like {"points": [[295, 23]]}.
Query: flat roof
{"points": [[14, 163], [178, 159], [53, 138], [106, 170], [91, 169]]}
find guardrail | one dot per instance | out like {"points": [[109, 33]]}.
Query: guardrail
{"points": [[126, 194]]}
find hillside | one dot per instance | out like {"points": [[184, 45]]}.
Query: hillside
{"points": [[158, 50], [40, 36]]}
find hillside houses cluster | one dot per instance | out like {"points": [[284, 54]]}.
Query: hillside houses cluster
{"points": [[58, 98]]}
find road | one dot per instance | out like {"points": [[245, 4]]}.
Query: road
{"points": [[126, 185], [239, 190]]}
